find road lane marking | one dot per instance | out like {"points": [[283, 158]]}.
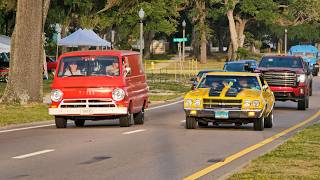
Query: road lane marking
{"points": [[33, 154], [183, 121], [135, 131], [177, 102], [249, 149], [25, 128]]}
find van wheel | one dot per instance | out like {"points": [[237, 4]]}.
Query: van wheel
{"points": [[126, 121], [61, 122], [258, 124], [268, 123], [202, 124], [302, 104], [191, 123], [79, 123], [139, 117]]}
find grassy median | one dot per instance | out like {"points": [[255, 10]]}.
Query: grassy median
{"points": [[298, 158]]}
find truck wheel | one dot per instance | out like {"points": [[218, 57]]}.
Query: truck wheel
{"points": [[302, 104], [79, 123], [139, 117], [258, 124], [191, 123], [61, 122], [268, 123], [126, 121], [202, 124]]}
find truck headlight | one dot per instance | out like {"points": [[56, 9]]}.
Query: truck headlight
{"points": [[197, 102], [118, 94], [56, 95], [256, 103], [301, 78], [188, 102], [247, 103]]}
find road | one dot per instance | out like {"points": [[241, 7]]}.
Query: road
{"points": [[160, 149]]}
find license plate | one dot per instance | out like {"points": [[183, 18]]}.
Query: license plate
{"points": [[221, 114], [86, 111]]}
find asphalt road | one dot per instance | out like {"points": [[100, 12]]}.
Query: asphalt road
{"points": [[160, 149]]}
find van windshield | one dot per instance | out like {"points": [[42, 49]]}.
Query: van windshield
{"points": [[89, 66]]}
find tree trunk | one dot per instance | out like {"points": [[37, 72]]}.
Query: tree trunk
{"points": [[147, 43], [233, 34], [203, 35], [25, 75], [230, 50], [240, 31]]}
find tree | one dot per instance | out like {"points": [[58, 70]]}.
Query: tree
{"points": [[25, 75]]}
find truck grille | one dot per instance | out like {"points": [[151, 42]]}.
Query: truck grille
{"points": [[86, 103], [288, 79], [221, 103]]}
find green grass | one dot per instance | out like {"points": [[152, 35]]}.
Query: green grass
{"points": [[298, 158], [167, 91]]}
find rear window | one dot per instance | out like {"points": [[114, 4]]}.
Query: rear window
{"points": [[285, 62], [237, 67]]}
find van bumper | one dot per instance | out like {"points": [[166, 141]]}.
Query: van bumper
{"points": [[88, 111]]}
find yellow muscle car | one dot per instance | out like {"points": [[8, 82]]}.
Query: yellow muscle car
{"points": [[230, 97]]}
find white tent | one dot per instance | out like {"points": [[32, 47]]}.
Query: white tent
{"points": [[4, 43], [83, 37]]}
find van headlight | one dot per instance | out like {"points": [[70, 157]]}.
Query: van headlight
{"points": [[56, 95], [247, 103], [188, 102], [197, 102], [256, 103], [301, 78], [118, 94]]}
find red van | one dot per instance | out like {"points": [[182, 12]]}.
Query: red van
{"points": [[98, 85]]}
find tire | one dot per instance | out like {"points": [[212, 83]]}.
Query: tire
{"points": [[302, 104], [79, 123], [6, 78], [61, 122], [139, 117], [191, 123], [126, 121], [310, 89], [238, 124], [202, 124], [258, 124], [268, 122]]}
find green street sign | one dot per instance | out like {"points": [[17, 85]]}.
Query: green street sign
{"points": [[180, 39]]}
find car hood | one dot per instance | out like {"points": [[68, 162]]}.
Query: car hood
{"points": [[242, 94], [279, 69]]}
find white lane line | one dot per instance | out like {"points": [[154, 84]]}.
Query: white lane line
{"points": [[25, 128], [183, 121], [164, 105], [33, 154], [135, 131]]}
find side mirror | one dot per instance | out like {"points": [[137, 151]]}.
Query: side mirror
{"points": [[265, 87], [127, 71]]}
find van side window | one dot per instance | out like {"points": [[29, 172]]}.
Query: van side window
{"points": [[125, 64]]}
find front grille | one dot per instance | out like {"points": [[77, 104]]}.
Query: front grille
{"points": [[222, 103], [87, 103], [288, 79]]}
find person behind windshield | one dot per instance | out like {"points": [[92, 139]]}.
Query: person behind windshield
{"points": [[244, 83], [72, 69], [113, 69], [295, 64]]}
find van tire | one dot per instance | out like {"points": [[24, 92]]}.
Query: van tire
{"points": [[202, 124], [268, 123], [139, 117], [126, 121], [302, 104], [79, 123], [258, 124], [61, 122], [191, 123]]}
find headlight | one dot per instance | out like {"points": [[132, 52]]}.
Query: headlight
{"points": [[188, 102], [301, 78], [256, 103], [56, 95], [197, 102], [118, 94], [247, 103]]}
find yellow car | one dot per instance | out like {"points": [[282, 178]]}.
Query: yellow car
{"points": [[230, 97]]}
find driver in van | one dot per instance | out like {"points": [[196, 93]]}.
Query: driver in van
{"points": [[72, 69], [113, 69]]}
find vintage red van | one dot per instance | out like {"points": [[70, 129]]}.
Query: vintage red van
{"points": [[98, 85]]}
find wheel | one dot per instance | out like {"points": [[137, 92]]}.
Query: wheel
{"points": [[6, 78], [307, 102], [302, 104], [202, 124], [268, 122], [61, 122], [139, 117], [258, 124], [79, 123], [191, 123], [126, 121], [310, 89]]}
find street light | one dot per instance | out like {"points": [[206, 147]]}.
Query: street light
{"points": [[285, 41], [141, 16], [184, 35]]}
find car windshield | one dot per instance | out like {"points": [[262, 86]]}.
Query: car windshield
{"points": [[286, 62], [298, 54], [236, 67], [310, 55], [239, 82], [89, 66]]}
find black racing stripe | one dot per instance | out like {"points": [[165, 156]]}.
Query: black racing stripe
{"points": [[233, 92]]}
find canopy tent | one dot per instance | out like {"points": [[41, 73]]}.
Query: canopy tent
{"points": [[83, 37], [4, 43]]}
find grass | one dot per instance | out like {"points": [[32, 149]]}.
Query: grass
{"points": [[298, 158], [166, 91]]}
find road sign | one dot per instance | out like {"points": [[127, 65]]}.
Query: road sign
{"points": [[180, 39]]}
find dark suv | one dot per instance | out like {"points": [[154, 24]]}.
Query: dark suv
{"points": [[288, 77]]}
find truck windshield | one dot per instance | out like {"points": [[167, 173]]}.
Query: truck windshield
{"points": [[239, 82], [89, 66], [282, 62]]}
